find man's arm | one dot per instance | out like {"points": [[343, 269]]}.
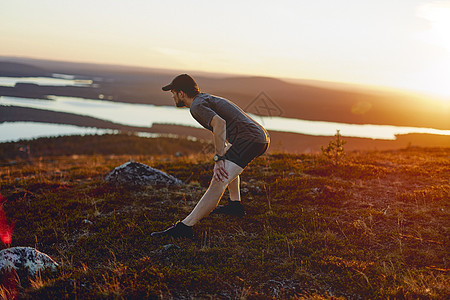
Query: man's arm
{"points": [[220, 135]]}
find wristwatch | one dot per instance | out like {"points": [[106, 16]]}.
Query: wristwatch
{"points": [[217, 157]]}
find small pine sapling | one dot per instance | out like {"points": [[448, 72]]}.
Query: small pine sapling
{"points": [[334, 152]]}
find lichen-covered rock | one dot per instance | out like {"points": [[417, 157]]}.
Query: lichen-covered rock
{"points": [[137, 174], [25, 260]]}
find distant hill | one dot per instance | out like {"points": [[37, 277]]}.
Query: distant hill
{"points": [[14, 69], [259, 95], [338, 105]]}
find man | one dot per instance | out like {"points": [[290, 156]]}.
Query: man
{"points": [[230, 125]]}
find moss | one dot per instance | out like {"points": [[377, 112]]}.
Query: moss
{"points": [[371, 227]]}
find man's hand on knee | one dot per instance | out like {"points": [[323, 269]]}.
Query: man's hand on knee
{"points": [[220, 173]]}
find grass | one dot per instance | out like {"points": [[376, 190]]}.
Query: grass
{"points": [[375, 226]]}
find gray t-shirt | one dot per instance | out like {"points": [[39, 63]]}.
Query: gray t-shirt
{"points": [[239, 124]]}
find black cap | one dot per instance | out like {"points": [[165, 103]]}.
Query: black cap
{"points": [[182, 82]]}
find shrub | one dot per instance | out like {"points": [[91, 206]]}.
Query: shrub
{"points": [[334, 152]]}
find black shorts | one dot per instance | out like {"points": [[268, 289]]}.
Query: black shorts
{"points": [[242, 151]]}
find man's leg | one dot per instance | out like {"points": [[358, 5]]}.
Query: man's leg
{"points": [[212, 196], [234, 189]]}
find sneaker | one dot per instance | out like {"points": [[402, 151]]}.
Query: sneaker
{"points": [[233, 208], [179, 229]]}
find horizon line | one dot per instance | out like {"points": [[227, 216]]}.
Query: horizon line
{"points": [[295, 80]]}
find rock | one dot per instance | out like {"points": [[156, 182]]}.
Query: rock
{"points": [[167, 250], [25, 261], [170, 246], [86, 221], [137, 174]]}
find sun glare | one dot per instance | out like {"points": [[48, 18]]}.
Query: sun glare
{"points": [[438, 14], [438, 34]]}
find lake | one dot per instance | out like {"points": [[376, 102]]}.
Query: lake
{"points": [[58, 80], [145, 115]]}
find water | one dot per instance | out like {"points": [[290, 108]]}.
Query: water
{"points": [[14, 131], [145, 115], [140, 115], [58, 80]]}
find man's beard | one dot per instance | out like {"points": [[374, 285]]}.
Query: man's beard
{"points": [[179, 103]]}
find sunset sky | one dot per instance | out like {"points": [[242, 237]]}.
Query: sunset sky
{"points": [[394, 43]]}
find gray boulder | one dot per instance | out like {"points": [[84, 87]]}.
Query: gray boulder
{"points": [[25, 260], [137, 174]]}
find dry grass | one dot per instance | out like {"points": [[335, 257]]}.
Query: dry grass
{"points": [[374, 226]]}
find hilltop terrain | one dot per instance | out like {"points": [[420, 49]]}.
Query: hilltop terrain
{"points": [[366, 225], [306, 100]]}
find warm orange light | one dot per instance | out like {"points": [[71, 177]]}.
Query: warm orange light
{"points": [[438, 16]]}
